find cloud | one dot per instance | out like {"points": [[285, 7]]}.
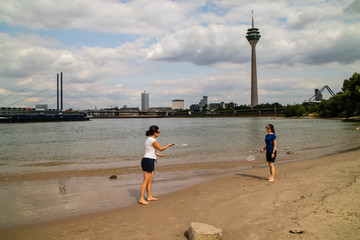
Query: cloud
{"points": [[25, 82], [140, 17], [201, 45], [4, 92], [353, 8], [25, 55], [299, 20]]}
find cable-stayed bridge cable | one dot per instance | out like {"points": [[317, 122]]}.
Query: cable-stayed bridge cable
{"points": [[23, 90], [31, 96], [94, 90]]}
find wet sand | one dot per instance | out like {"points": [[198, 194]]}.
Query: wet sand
{"points": [[318, 196]]}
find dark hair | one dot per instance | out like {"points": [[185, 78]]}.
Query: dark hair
{"points": [[271, 128], [152, 130]]}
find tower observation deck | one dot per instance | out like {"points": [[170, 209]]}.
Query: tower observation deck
{"points": [[253, 36]]}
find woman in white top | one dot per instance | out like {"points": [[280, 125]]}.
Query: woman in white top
{"points": [[148, 162]]}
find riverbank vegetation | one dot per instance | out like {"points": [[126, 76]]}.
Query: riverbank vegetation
{"points": [[344, 104]]}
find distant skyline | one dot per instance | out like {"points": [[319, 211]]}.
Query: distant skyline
{"points": [[111, 51]]}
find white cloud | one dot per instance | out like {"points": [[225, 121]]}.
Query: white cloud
{"points": [[25, 82], [140, 17], [202, 45]]}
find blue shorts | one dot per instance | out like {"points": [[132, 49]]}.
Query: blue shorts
{"points": [[269, 158], [148, 164]]}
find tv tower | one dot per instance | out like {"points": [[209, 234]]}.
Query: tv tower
{"points": [[253, 36]]}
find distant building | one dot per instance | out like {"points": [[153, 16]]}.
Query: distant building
{"points": [[178, 104], [230, 105], [222, 105], [41, 107], [202, 106], [215, 106], [144, 101], [204, 101], [161, 109], [194, 107], [205, 106]]}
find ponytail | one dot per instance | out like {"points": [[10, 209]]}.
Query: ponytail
{"points": [[272, 128], [152, 130]]}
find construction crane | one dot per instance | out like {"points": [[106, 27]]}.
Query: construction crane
{"points": [[317, 97]]}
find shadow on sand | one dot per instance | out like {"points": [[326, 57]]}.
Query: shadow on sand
{"points": [[135, 193], [251, 176]]}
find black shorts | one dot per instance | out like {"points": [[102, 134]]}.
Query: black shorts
{"points": [[148, 164], [269, 158]]}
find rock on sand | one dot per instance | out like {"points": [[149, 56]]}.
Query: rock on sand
{"points": [[201, 231]]}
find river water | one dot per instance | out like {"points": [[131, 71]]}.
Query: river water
{"points": [[37, 148]]}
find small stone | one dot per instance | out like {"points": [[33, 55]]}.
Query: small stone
{"points": [[202, 231], [296, 231], [113, 177]]}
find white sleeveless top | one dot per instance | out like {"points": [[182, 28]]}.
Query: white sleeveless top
{"points": [[150, 150]]}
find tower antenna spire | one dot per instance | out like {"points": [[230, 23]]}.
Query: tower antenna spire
{"points": [[252, 18]]}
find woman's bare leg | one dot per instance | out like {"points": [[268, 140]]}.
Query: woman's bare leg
{"points": [[149, 196], [272, 172], [144, 186]]}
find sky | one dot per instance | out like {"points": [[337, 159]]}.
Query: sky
{"points": [[110, 51]]}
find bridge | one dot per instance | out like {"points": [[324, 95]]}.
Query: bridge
{"points": [[77, 93]]}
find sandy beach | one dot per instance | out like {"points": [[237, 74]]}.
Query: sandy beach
{"points": [[318, 196]]}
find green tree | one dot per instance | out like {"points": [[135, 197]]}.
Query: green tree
{"points": [[345, 103], [300, 110], [351, 94], [294, 110], [332, 107]]}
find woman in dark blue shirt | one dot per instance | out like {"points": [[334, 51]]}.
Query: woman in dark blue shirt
{"points": [[270, 140]]}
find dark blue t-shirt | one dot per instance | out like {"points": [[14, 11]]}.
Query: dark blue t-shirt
{"points": [[269, 140]]}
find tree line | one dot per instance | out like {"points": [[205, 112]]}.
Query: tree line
{"points": [[345, 103]]}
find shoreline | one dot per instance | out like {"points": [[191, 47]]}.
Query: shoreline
{"points": [[234, 162], [318, 195]]}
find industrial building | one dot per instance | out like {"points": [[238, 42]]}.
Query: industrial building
{"points": [[178, 104]]}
